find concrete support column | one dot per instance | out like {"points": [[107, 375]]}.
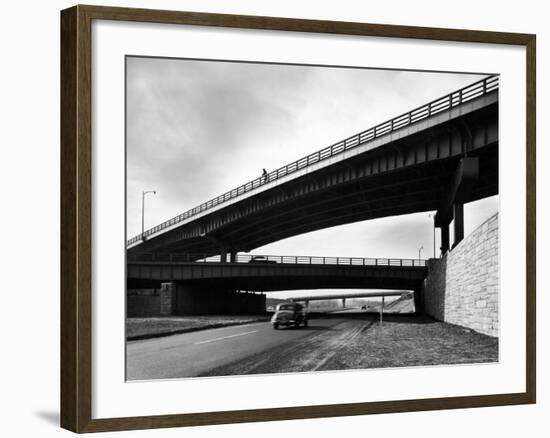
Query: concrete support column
{"points": [[458, 210], [444, 239], [458, 192], [233, 256], [418, 301], [343, 302], [168, 299], [223, 254]]}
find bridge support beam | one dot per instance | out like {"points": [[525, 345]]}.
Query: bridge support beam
{"points": [[418, 301], [458, 209], [224, 248], [444, 238], [344, 303], [452, 207]]}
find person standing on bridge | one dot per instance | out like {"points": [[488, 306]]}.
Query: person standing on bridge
{"points": [[264, 175]]}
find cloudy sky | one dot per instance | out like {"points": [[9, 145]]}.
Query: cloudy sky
{"points": [[196, 129]]}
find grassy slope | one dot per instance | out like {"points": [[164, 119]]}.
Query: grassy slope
{"points": [[144, 328]]}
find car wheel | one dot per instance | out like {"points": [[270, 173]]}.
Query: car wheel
{"points": [[305, 322]]}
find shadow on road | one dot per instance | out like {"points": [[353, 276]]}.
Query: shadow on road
{"points": [[399, 318]]}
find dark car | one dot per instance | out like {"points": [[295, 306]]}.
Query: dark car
{"points": [[289, 314], [260, 259]]}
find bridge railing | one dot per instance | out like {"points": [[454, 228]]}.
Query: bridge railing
{"points": [[276, 259], [444, 103]]}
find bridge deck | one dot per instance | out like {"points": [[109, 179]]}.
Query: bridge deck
{"points": [[258, 259], [306, 273]]}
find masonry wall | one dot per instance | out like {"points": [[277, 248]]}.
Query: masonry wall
{"points": [[434, 285], [142, 302], [150, 302], [463, 287]]}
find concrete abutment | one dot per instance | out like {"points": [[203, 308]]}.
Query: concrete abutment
{"points": [[184, 298]]}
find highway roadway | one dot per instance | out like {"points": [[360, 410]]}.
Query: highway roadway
{"points": [[203, 352]]}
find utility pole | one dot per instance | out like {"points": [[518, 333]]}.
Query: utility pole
{"points": [[154, 192]]}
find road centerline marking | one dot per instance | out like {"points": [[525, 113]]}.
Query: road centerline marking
{"points": [[225, 337]]}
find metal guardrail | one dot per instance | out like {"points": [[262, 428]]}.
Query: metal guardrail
{"points": [[444, 103], [275, 259]]}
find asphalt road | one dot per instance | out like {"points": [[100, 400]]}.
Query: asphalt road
{"points": [[197, 353]]}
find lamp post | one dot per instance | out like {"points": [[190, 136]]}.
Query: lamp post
{"points": [[154, 192], [420, 252], [430, 216]]}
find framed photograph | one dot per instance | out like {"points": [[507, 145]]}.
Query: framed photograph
{"points": [[270, 218]]}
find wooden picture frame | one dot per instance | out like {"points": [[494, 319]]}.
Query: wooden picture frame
{"points": [[76, 218]]}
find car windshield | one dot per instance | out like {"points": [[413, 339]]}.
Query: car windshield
{"points": [[286, 307]]}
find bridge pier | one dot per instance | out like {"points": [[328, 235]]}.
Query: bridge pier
{"points": [[223, 254], [452, 208], [418, 301], [444, 238], [458, 210]]}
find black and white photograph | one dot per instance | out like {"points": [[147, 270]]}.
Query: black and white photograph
{"points": [[285, 218], [234, 219]]}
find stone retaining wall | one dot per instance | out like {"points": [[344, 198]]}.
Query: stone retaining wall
{"points": [[463, 287]]}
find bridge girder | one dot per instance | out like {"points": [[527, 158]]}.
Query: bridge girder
{"points": [[273, 277]]}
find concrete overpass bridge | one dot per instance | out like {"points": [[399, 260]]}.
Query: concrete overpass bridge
{"points": [[434, 157], [208, 285], [351, 296], [276, 273]]}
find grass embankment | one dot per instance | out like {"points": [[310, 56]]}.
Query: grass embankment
{"points": [[153, 327], [413, 341]]}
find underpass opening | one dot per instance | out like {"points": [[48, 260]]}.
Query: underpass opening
{"points": [[346, 302]]}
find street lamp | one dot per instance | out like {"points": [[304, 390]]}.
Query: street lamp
{"points": [[430, 216], [420, 252], [154, 192]]}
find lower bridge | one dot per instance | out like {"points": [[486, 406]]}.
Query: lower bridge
{"points": [[194, 285], [348, 296]]}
